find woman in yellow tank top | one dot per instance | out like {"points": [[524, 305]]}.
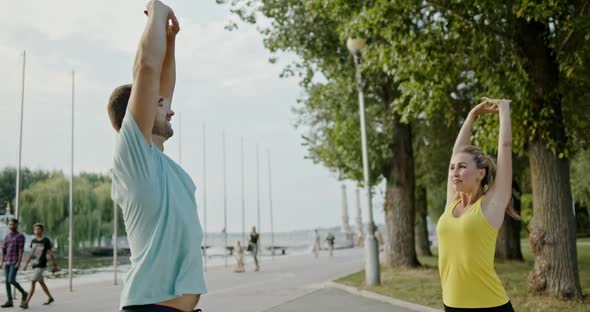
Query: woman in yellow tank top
{"points": [[478, 197]]}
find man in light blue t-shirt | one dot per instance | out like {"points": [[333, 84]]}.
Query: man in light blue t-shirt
{"points": [[156, 195]]}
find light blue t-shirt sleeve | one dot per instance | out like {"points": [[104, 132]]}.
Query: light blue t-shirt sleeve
{"points": [[134, 160]]}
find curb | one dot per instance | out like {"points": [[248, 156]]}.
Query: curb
{"points": [[382, 298]]}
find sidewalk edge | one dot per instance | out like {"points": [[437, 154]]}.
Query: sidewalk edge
{"points": [[382, 298]]}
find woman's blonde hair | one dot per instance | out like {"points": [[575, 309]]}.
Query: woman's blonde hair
{"points": [[483, 161]]}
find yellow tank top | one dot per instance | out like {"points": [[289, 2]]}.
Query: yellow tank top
{"points": [[466, 247]]}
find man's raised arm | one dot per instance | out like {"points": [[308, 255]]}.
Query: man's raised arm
{"points": [[148, 67], [168, 75]]}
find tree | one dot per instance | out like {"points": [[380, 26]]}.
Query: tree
{"points": [[508, 241], [581, 190], [580, 177], [421, 224], [47, 201], [8, 183]]}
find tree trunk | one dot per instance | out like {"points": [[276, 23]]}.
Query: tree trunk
{"points": [[399, 200], [553, 234], [552, 237], [421, 225], [508, 242]]}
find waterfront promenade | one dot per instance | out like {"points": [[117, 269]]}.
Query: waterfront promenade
{"points": [[288, 283]]}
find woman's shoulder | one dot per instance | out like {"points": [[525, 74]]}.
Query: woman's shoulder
{"points": [[451, 204]]}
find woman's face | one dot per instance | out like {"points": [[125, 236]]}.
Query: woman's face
{"points": [[464, 174]]}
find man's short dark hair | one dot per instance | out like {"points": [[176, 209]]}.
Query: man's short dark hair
{"points": [[39, 225], [14, 220], [118, 105]]}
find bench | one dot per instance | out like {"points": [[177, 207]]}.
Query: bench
{"points": [[283, 249]]}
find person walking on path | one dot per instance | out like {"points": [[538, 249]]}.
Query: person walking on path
{"points": [[156, 195], [478, 197], [330, 238], [12, 255], [239, 256], [316, 243], [40, 248], [253, 247]]}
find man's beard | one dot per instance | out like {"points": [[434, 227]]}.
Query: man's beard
{"points": [[163, 129]]}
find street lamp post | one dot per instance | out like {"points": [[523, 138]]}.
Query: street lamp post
{"points": [[372, 276]]}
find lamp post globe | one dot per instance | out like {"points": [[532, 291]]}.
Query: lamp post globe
{"points": [[354, 45]]}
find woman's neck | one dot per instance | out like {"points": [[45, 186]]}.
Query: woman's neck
{"points": [[470, 198]]}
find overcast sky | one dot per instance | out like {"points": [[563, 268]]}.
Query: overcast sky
{"points": [[224, 80]]}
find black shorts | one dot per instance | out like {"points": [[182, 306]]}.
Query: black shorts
{"points": [[151, 308], [503, 308]]}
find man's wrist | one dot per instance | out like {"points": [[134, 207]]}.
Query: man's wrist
{"points": [[170, 44]]}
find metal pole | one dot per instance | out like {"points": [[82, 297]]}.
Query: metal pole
{"points": [[272, 237], [115, 240], [258, 199], [71, 225], [372, 274], [243, 193], [345, 227], [179, 139], [224, 202], [204, 199], [20, 140], [358, 226]]}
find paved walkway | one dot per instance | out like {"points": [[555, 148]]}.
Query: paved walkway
{"points": [[293, 283], [331, 299]]}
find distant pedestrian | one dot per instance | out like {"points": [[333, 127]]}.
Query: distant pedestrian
{"points": [[316, 243], [40, 248], [378, 234], [359, 238], [253, 246], [239, 256], [330, 238], [12, 255]]}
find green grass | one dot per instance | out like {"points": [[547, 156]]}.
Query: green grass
{"points": [[422, 285]]}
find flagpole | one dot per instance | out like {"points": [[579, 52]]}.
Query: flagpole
{"points": [[20, 140], [179, 139], [224, 203], [258, 198], [71, 212], [204, 199], [243, 194], [272, 237], [115, 240]]}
